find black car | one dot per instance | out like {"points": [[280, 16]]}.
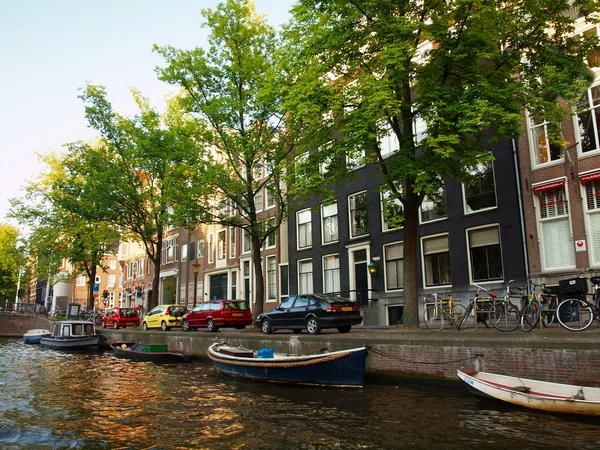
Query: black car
{"points": [[312, 312]]}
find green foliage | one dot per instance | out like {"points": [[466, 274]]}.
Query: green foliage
{"points": [[464, 71], [12, 259]]}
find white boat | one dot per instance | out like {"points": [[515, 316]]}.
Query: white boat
{"points": [[534, 394], [34, 336], [345, 368], [73, 335]]}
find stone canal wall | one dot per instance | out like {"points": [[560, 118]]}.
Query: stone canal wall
{"points": [[552, 355]]}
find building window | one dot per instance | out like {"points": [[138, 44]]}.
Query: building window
{"points": [[485, 255], [359, 214], [246, 241], [284, 285], [354, 162], [592, 197], [329, 223], [270, 196], [112, 264], [272, 237], [258, 200], [184, 252], [392, 212], [112, 279], [211, 248], [303, 219], [480, 191], [436, 261], [588, 119], [221, 245], [305, 278], [543, 150], [271, 278], [394, 266], [555, 228], [200, 248], [388, 143], [81, 280], [169, 251], [433, 206], [140, 267], [331, 274], [232, 248]]}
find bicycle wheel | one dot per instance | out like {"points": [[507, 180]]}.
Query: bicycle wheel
{"points": [[531, 316], [464, 322], [574, 314], [456, 315], [434, 319], [504, 316]]}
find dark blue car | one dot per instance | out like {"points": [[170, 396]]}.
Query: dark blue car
{"points": [[312, 312]]}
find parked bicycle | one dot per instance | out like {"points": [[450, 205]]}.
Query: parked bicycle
{"points": [[578, 313], [503, 314], [481, 304], [539, 305], [443, 309]]}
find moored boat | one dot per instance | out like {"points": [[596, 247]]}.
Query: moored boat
{"points": [[34, 336], [149, 352], [73, 335], [534, 394], [345, 368]]}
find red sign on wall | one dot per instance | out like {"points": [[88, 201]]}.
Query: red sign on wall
{"points": [[589, 177], [548, 186]]}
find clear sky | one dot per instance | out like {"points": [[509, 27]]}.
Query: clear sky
{"points": [[52, 48]]}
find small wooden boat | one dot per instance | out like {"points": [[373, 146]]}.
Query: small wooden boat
{"points": [[149, 352], [73, 335], [345, 368], [34, 336], [534, 394]]}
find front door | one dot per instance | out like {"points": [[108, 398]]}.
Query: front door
{"points": [[361, 277], [218, 287]]}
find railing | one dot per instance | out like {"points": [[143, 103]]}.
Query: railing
{"points": [[7, 307]]}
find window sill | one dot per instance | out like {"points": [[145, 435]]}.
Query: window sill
{"points": [[542, 166], [479, 211]]}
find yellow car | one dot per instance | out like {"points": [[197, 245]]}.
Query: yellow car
{"points": [[164, 317]]}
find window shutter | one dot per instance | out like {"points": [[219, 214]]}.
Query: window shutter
{"points": [[435, 245], [557, 244], [485, 237]]}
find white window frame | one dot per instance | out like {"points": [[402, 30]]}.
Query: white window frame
{"points": [[468, 232], [211, 247], [232, 242], [184, 252], [476, 174], [302, 215], [246, 242], [328, 209], [200, 248], [388, 142], [221, 245], [270, 198], [271, 278], [335, 272], [383, 198], [307, 278], [535, 136], [385, 265], [271, 241], [351, 217], [592, 220], [436, 219], [424, 256], [595, 123]]}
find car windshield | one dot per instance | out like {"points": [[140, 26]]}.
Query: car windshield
{"points": [[331, 298], [128, 313], [177, 310]]}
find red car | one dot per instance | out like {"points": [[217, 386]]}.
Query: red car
{"points": [[121, 318], [218, 314]]}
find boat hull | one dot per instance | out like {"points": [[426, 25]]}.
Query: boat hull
{"points": [[337, 369], [94, 342], [136, 352], [534, 394], [35, 336]]}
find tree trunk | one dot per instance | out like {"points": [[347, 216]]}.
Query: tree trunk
{"points": [[259, 287], [410, 255]]}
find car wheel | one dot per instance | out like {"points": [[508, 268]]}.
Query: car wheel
{"points": [[266, 326], [313, 326], [185, 326], [164, 326], [103, 325], [115, 325], [344, 328], [145, 326], [297, 330], [210, 326]]}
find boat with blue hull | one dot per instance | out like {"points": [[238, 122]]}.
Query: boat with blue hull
{"points": [[344, 368]]}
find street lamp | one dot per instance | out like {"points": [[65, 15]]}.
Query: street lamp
{"points": [[195, 268]]}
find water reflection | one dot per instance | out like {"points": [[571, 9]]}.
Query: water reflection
{"points": [[93, 401]]}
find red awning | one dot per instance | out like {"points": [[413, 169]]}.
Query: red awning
{"points": [[589, 177], [547, 186]]}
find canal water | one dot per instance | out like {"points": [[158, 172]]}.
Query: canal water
{"points": [[56, 400]]}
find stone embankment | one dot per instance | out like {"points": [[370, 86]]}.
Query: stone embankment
{"points": [[552, 354]]}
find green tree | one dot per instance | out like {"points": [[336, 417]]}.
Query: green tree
{"points": [[12, 260], [141, 168], [51, 211], [462, 70], [232, 88]]}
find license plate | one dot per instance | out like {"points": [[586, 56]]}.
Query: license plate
{"points": [[237, 314], [346, 308]]}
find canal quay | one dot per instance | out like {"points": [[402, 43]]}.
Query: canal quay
{"points": [[549, 354]]}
